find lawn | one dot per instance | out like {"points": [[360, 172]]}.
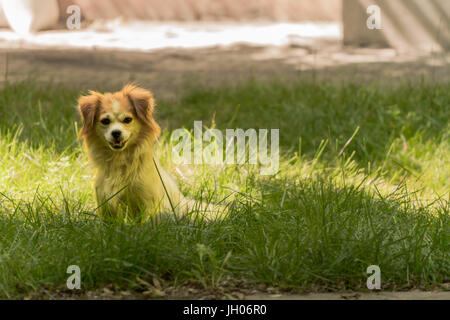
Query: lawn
{"points": [[364, 179]]}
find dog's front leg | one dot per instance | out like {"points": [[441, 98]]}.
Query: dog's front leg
{"points": [[107, 208]]}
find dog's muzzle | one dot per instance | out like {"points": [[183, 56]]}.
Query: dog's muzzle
{"points": [[118, 142]]}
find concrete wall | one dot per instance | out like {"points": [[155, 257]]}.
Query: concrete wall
{"points": [[405, 24], [209, 10]]}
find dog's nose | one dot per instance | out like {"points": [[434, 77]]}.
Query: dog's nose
{"points": [[116, 134]]}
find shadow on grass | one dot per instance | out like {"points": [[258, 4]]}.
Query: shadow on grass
{"points": [[310, 111]]}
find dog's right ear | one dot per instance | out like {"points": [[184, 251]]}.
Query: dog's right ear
{"points": [[88, 106]]}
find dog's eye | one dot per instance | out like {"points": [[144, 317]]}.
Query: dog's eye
{"points": [[105, 121], [127, 120]]}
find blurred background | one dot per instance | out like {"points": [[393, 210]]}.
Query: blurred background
{"points": [[83, 41]]}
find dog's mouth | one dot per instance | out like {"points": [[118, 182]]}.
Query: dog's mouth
{"points": [[118, 145]]}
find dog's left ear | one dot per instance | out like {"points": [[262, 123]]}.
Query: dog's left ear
{"points": [[143, 104], [141, 100]]}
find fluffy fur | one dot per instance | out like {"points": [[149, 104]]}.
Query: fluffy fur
{"points": [[120, 148]]}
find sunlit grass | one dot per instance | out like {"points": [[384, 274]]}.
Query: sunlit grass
{"points": [[364, 179]]}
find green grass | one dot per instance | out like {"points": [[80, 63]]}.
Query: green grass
{"points": [[337, 205]]}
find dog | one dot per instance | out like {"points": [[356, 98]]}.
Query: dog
{"points": [[119, 134]]}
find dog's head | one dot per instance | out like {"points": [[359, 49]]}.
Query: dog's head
{"points": [[118, 119]]}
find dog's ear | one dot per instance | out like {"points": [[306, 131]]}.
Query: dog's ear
{"points": [[143, 104], [141, 100], [88, 106]]}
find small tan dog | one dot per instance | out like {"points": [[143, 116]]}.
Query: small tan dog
{"points": [[119, 134]]}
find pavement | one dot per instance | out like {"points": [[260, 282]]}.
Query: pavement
{"points": [[410, 295]]}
